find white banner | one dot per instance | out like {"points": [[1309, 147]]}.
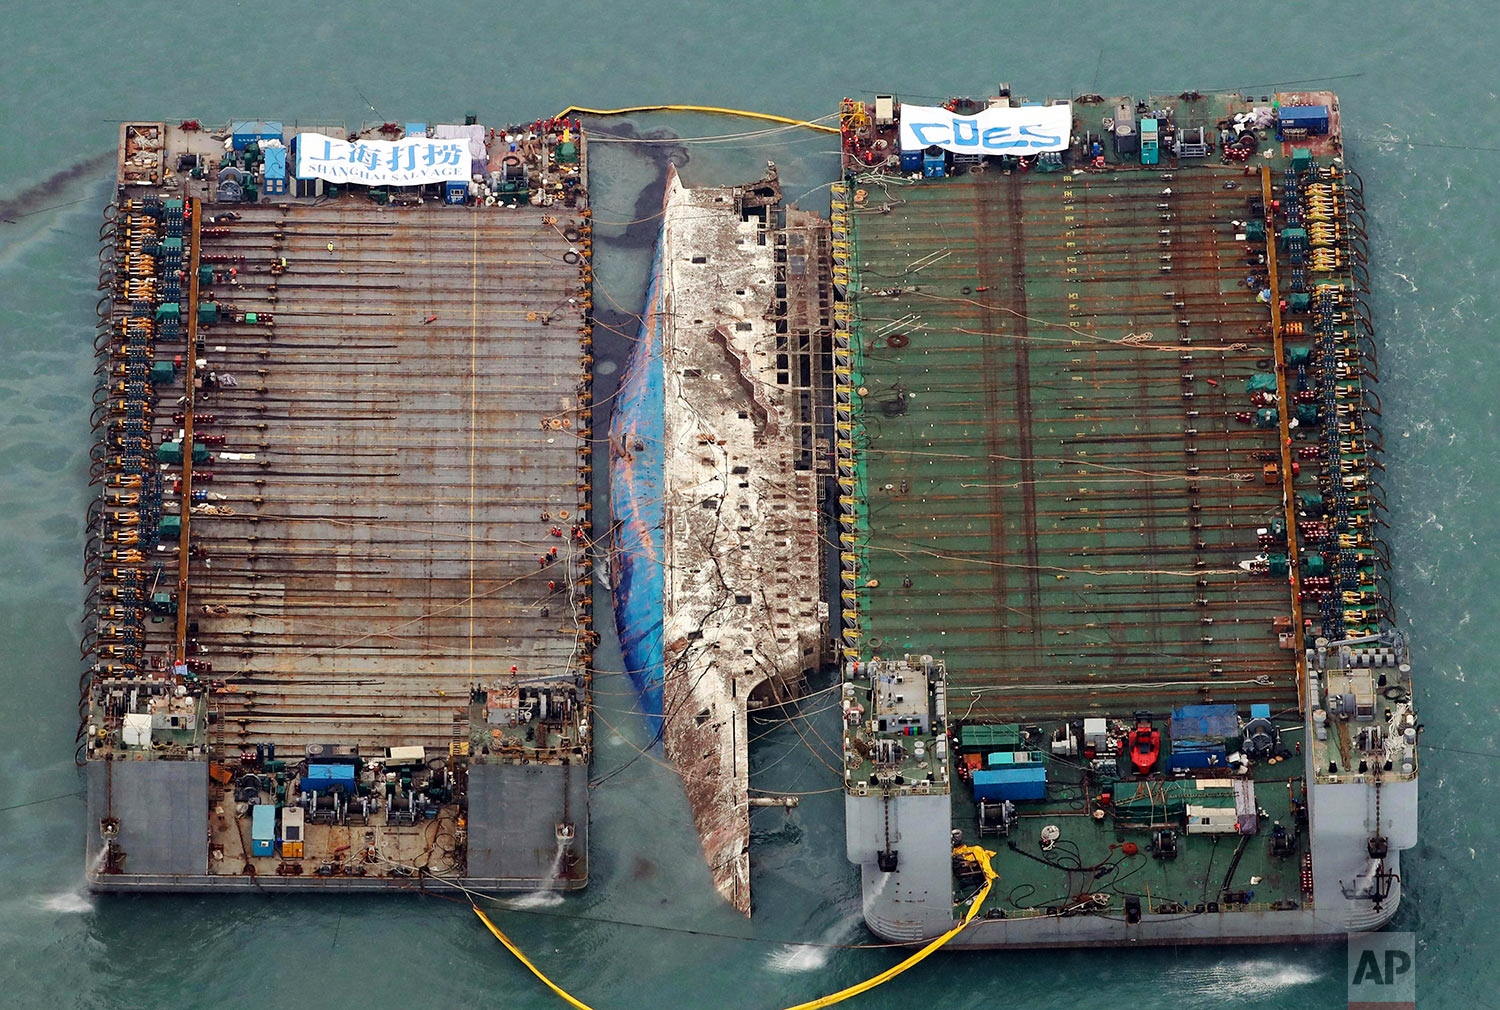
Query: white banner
{"points": [[1030, 129], [414, 161]]}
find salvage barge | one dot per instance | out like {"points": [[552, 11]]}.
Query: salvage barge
{"points": [[1113, 597], [340, 610]]}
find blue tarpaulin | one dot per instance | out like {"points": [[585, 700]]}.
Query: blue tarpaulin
{"points": [[1206, 723]]}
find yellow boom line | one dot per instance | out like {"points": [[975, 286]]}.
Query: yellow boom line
{"points": [[580, 110], [978, 853]]}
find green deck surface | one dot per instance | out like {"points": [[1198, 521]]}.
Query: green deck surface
{"points": [[1198, 875], [1055, 480], [1023, 430]]}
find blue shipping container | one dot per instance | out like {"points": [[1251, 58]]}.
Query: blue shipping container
{"points": [[275, 163], [1312, 118], [323, 778], [1013, 757], [241, 133], [911, 161], [262, 829], [1207, 757], [275, 170], [1019, 782]]}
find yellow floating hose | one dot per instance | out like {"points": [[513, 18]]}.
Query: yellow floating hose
{"points": [[580, 110], [527, 962], [982, 855]]}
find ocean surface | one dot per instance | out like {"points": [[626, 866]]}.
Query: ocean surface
{"points": [[1422, 115]]}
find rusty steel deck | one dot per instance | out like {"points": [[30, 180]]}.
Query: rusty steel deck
{"points": [[413, 411]]}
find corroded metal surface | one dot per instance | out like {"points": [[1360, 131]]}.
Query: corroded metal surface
{"points": [[413, 411], [345, 515], [741, 610]]}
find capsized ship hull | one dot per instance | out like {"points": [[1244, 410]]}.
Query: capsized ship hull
{"points": [[719, 600]]}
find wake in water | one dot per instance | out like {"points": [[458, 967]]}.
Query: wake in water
{"points": [[803, 957], [1238, 981], [77, 900], [72, 902]]}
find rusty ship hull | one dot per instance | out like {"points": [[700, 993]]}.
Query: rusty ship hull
{"points": [[716, 489]]}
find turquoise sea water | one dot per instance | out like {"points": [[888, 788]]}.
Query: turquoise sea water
{"points": [[1422, 112]]}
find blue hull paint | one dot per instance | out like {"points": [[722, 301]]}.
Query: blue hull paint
{"points": [[637, 481]]}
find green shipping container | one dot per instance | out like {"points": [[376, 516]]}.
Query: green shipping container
{"points": [[171, 452], [997, 737]]}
